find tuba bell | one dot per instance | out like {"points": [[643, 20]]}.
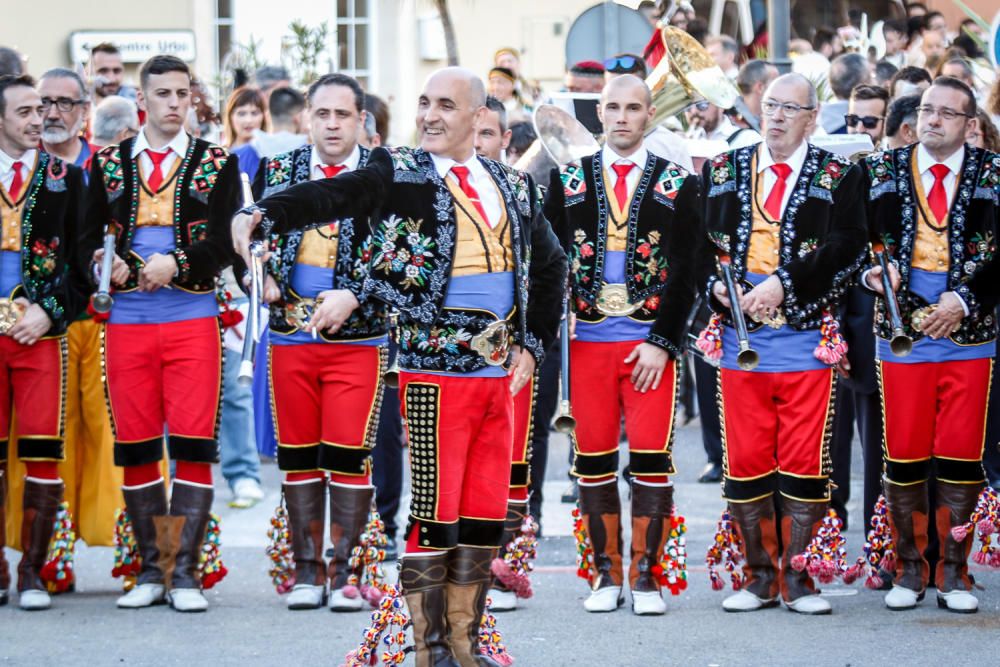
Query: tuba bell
{"points": [[561, 139]]}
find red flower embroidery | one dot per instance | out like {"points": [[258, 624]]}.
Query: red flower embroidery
{"points": [[586, 250], [644, 249]]}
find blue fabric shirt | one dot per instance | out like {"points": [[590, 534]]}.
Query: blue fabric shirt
{"points": [[783, 350], [164, 305], [930, 285], [10, 272], [612, 329], [249, 160]]}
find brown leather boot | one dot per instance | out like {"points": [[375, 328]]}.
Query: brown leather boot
{"points": [[754, 522], [799, 522], [41, 502], [4, 566], [955, 503], [190, 506], [468, 580], [907, 506], [306, 505], [517, 512], [145, 506], [423, 578], [600, 508], [651, 508], [349, 508]]}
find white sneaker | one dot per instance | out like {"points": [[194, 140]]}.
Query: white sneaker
{"points": [[744, 600], [340, 602], [247, 492], [305, 596], [143, 595], [958, 601], [811, 605], [604, 599], [188, 600], [502, 600], [34, 600], [648, 603], [900, 598]]}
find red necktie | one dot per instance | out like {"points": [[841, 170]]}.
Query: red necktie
{"points": [[621, 184], [17, 182], [462, 173], [777, 194], [155, 178], [330, 172], [938, 198]]}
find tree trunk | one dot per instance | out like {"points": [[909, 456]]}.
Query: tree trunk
{"points": [[449, 31]]}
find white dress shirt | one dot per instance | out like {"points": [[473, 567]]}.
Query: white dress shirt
{"points": [[954, 163], [27, 161], [795, 161], [637, 159], [178, 148], [479, 179], [316, 166], [663, 143]]}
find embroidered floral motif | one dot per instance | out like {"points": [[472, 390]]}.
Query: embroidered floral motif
{"points": [[981, 248], [581, 258], [400, 248], [207, 171], [650, 259], [832, 171], [44, 257], [279, 169], [807, 246], [722, 169], [403, 160], [435, 340], [720, 239], [197, 230], [110, 162]]}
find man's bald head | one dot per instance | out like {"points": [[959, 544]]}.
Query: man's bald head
{"points": [[796, 81], [453, 101], [625, 111], [627, 85], [464, 79]]}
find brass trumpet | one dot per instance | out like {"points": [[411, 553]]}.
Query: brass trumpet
{"points": [[901, 345], [391, 375], [747, 358]]}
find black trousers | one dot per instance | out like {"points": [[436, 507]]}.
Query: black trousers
{"points": [[864, 410], [387, 457], [991, 452], [706, 381], [546, 403]]}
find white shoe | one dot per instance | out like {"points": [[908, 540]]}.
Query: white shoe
{"points": [[304, 596], [744, 600], [648, 603], [958, 601], [188, 600], [143, 595], [502, 600], [900, 598], [811, 605], [604, 599], [247, 492], [34, 600], [340, 602]]}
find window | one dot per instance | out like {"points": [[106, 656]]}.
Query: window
{"points": [[223, 29], [353, 39]]}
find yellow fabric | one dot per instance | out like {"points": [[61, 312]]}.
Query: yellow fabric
{"points": [[157, 210], [930, 247], [765, 242], [618, 224], [10, 220], [477, 241], [319, 246]]}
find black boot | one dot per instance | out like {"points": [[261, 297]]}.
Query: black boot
{"points": [[349, 508], [145, 506], [4, 566], [306, 505], [41, 503], [190, 506], [423, 578], [468, 580]]}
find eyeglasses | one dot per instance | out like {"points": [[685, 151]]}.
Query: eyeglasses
{"points": [[790, 109], [870, 122], [700, 106], [64, 104], [621, 64], [944, 112]]}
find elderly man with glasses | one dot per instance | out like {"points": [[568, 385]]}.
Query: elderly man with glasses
{"points": [[787, 219]]}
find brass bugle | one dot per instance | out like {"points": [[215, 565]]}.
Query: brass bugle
{"points": [[103, 299], [565, 422], [391, 375], [901, 345], [747, 358]]}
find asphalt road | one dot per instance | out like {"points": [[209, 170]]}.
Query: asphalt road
{"points": [[249, 625]]}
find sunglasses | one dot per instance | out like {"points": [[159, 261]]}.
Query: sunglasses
{"points": [[870, 122], [700, 106], [621, 64]]}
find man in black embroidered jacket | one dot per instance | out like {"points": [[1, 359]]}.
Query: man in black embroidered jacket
{"points": [[463, 252], [788, 219], [632, 223], [41, 200]]}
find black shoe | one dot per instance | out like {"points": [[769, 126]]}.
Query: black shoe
{"points": [[391, 550], [571, 494], [711, 473]]}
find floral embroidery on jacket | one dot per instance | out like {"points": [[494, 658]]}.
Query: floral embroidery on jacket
{"points": [[401, 248], [650, 259], [44, 257], [581, 258]]}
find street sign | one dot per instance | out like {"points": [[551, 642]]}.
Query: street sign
{"points": [[136, 45], [994, 43], [604, 30]]}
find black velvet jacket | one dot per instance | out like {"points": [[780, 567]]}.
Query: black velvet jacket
{"points": [[52, 275], [822, 234], [414, 245], [664, 221], [353, 252], [207, 195], [973, 225]]}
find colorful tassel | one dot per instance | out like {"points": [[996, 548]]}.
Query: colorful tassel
{"points": [[279, 551], [57, 573], [726, 551], [985, 520], [832, 346], [515, 566], [710, 339], [127, 559], [671, 571], [490, 639], [879, 551], [388, 628], [366, 561], [210, 566], [584, 552], [826, 556]]}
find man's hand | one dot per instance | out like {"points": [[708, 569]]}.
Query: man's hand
{"points": [[158, 271], [873, 279], [764, 299], [522, 368], [337, 306], [650, 361], [33, 324], [243, 227], [843, 368], [270, 293], [722, 294], [119, 269], [946, 318], [572, 326]]}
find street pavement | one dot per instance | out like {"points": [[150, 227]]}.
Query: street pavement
{"points": [[249, 625]]}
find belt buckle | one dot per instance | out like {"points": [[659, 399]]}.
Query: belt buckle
{"points": [[493, 343], [613, 301], [299, 314], [775, 322], [10, 313], [919, 315]]}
